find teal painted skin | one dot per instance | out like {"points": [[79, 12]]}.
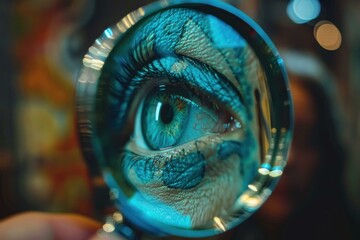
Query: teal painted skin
{"points": [[182, 100]]}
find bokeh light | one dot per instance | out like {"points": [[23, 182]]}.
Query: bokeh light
{"points": [[302, 11], [327, 35]]}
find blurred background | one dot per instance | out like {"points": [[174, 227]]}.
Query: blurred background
{"points": [[42, 44]]}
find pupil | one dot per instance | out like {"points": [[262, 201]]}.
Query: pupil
{"points": [[166, 113]]}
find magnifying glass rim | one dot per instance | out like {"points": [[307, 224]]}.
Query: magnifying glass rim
{"points": [[97, 55]]}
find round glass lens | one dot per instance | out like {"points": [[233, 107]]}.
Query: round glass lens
{"points": [[190, 116]]}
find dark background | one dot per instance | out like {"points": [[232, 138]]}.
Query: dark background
{"points": [[38, 160]]}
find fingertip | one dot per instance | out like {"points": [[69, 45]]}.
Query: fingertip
{"points": [[72, 226]]}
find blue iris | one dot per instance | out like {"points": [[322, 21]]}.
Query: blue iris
{"points": [[169, 118], [164, 118]]}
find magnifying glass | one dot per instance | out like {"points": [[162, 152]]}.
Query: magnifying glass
{"points": [[184, 111]]}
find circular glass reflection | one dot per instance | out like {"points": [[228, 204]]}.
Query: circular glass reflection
{"points": [[186, 109]]}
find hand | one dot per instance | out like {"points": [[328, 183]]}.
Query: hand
{"points": [[44, 226]]}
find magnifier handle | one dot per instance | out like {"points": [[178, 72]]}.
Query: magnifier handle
{"points": [[120, 233], [115, 229], [107, 236]]}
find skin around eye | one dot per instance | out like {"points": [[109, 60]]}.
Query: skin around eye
{"points": [[173, 151]]}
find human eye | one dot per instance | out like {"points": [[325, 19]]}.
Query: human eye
{"points": [[172, 115]]}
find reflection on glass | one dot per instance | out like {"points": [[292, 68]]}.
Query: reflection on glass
{"points": [[181, 118]]}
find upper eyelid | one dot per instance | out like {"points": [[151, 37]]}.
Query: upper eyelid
{"points": [[231, 97]]}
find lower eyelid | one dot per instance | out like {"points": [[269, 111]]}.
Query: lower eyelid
{"points": [[212, 145]]}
